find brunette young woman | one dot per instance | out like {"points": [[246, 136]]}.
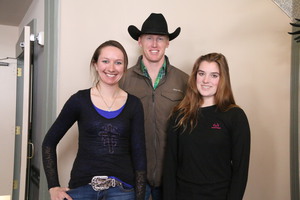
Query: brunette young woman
{"points": [[111, 159], [208, 147]]}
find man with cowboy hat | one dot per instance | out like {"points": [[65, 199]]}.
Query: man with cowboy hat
{"points": [[160, 86]]}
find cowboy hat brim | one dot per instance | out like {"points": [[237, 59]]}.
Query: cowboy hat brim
{"points": [[135, 33]]}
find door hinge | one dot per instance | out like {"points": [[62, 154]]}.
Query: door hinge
{"points": [[18, 130], [19, 72], [16, 184]]}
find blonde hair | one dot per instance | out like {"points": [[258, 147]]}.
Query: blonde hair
{"points": [[97, 52]]}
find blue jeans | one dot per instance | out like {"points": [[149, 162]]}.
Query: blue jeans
{"points": [[154, 192], [86, 192]]}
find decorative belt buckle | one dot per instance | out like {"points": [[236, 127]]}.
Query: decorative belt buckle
{"points": [[101, 183]]}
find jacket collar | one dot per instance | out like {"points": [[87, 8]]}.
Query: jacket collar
{"points": [[137, 66]]}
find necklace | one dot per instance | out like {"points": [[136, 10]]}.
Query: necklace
{"points": [[115, 97]]}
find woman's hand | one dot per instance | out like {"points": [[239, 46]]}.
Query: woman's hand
{"points": [[59, 193]]}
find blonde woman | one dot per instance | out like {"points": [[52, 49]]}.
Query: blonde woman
{"points": [[111, 159]]}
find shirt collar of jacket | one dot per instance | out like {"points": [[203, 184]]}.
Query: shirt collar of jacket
{"points": [[162, 72]]}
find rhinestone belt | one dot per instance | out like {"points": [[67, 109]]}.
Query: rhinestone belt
{"points": [[99, 183]]}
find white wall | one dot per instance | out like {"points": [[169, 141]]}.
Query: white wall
{"points": [[9, 35], [8, 39], [252, 34], [35, 11]]}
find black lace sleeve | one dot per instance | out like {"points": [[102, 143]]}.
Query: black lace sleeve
{"points": [[138, 149], [50, 166], [64, 121], [140, 185]]}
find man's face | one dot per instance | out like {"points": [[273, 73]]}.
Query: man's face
{"points": [[153, 47]]}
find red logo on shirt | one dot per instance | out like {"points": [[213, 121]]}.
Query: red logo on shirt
{"points": [[216, 126]]}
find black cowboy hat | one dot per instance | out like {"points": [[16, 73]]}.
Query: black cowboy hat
{"points": [[154, 24]]}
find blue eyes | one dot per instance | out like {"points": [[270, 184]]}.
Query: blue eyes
{"points": [[107, 62]]}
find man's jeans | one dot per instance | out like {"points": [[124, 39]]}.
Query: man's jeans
{"points": [[154, 192]]}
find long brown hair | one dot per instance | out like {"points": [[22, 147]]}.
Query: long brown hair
{"points": [[188, 109]]}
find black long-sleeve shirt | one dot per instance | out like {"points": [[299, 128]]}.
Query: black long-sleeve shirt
{"points": [[211, 162], [110, 147]]}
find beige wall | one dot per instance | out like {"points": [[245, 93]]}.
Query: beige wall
{"points": [[252, 34]]}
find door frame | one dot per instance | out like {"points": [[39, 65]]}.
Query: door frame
{"points": [[294, 121], [23, 50], [51, 53]]}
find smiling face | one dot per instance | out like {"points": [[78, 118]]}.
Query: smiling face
{"points": [[153, 47], [110, 65], [208, 76]]}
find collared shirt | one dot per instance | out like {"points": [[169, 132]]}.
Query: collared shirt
{"points": [[160, 75]]}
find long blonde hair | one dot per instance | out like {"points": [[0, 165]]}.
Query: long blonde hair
{"points": [[188, 109]]}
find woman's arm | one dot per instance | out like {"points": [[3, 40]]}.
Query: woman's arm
{"points": [[170, 163], [139, 150], [240, 155], [64, 121]]}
